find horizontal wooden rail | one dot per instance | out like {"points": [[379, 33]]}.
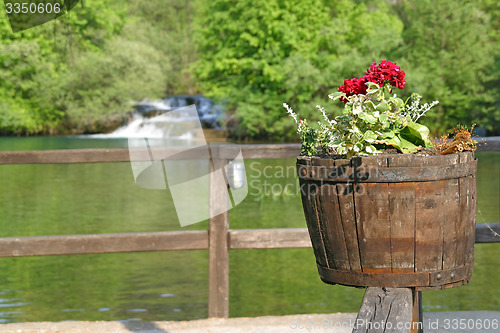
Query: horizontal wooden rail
{"points": [[488, 232], [103, 243], [488, 143], [218, 239], [177, 240], [222, 151], [64, 156], [269, 238], [291, 150]]}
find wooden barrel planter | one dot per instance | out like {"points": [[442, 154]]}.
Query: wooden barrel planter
{"points": [[391, 220]]}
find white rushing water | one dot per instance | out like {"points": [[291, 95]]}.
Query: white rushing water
{"points": [[162, 126], [176, 117], [141, 127]]}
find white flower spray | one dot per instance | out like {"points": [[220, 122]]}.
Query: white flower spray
{"points": [[325, 116], [299, 122], [415, 110]]}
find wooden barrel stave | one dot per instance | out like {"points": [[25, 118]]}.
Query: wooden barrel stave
{"points": [[366, 232], [310, 210], [347, 207], [402, 215]]}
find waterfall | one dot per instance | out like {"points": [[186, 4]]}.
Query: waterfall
{"points": [[157, 127], [153, 119]]}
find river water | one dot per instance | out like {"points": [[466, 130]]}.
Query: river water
{"points": [[38, 200]]}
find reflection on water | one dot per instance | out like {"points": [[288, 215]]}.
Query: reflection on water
{"points": [[9, 301], [102, 198]]}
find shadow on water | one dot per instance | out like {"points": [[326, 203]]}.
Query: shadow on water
{"points": [[143, 327]]}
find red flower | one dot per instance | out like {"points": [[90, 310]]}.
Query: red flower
{"points": [[386, 71], [353, 87], [379, 74]]}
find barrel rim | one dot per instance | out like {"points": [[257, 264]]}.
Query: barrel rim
{"points": [[387, 168], [386, 159], [424, 279]]}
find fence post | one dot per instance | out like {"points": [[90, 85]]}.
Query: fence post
{"points": [[386, 310], [218, 252], [417, 314]]}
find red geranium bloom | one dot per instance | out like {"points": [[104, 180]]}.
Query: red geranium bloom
{"points": [[380, 74], [386, 71], [353, 87]]}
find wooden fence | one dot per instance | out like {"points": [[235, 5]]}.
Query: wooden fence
{"points": [[218, 240]]}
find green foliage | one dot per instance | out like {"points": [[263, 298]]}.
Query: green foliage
{"points": [[296, 52], [117, 71], [368, 124], [75, 73], [256, 54], [81, 72], [167, 27], [491, 104], [448, 57], [25, 66], [90, 25], [35, 64]]}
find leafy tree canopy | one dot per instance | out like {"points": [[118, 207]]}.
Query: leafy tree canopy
{"points": [[81, 72], [255, 55]]}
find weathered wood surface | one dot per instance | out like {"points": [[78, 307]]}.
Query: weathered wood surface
{"points": [[421, 280], [488, 232], [70, 156], [122, 155], [330, 222], [412, 233], [256, 151], [346, 204], [372, 216], [218, 252], [310, 209], [402, 228], [269, 238], [429, 226], [417, 313], [468, 207], [220, 239], [402, 216], [310, 168], [385, 310], [451, 223], [103, 243], [64, 156], [374, 235], [222, 151], [177, 240], [488, 143]]}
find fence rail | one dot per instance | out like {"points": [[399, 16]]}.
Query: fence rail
{"points": [[238, 239], [218, 240]]}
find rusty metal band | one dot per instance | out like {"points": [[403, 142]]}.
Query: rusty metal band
{"points": [[427, 280], [384, 174]]}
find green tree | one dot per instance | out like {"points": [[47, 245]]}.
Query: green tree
{"points": [[99, 88], [23, 57], [81, 72], [35, 63], [255, 55], [167, 26], [448, 57], [491, 112]]}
